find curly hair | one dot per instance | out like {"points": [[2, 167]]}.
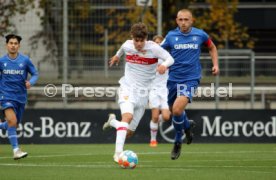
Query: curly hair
{"points": [[139, 30]]}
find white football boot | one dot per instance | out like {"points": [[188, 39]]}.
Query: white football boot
{"points": [[116, 157], [19, 154]]}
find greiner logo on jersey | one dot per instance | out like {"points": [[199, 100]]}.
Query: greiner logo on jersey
{"points": [[186, 46], [13, 71]]}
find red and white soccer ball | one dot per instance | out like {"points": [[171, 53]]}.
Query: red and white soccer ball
{"points": [[128, 159]]}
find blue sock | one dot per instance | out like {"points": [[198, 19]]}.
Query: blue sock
{"points": [[4, 125], [178, 123], [186, 121], [12, 135]]}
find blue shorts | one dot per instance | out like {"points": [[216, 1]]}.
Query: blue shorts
{"points": [[185, 88], [17, 107]]}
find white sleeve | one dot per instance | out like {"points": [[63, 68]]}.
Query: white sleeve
{"points": [[120, 52], [168, 62], [163, 55]]}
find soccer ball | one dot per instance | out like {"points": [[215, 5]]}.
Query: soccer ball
{"points": [[128, 159]]}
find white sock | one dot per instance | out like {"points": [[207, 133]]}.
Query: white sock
{"points": [[153, 130], [15, 149], [114, 123], [121, 136]]}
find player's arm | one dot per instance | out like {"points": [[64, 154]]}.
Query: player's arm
{"points": [[34, 74], [116, 58], [166, 57], [214, 55]]}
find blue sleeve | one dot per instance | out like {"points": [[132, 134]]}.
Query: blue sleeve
{"points": [[165, 43], [1, 64], [33, 71], [205, 36]]}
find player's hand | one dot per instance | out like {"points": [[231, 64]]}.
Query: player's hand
{"points": [[161, 69], [114, 60], [27, 84], [215, 70]]}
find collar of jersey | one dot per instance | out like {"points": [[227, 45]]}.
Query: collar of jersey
{"points": [[185, 34], [11, 58]]}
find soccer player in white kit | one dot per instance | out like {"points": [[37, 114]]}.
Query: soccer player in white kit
{"points": [[141, 58], [158, 100]]}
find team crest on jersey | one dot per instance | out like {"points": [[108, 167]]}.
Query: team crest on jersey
{"points": [[21, 65], [176, 39], [194, 38], [5, 64]]}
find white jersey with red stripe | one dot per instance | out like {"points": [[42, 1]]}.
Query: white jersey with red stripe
{"points": [[160, 80], [140, 67], [159, 92]]}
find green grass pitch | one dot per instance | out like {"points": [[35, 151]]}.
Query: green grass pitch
{"points": [[94, 161]]}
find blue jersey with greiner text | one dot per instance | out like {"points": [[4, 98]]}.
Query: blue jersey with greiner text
{"points": [[13, 74], [185, 48]]}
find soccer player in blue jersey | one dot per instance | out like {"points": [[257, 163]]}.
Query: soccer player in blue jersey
{"points": [[14, 69], [184, 45]]}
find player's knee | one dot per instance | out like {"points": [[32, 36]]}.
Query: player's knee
{"points": [[127, 117], [12, 123], [166, 117], [177, 111]]}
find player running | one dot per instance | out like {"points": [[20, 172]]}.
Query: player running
{"points": [[184, 44], [158, 98], [14, 69], [140, 68]]}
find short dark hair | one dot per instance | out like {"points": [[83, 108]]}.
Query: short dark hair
{"points": [[139, 30], [185, 10], [13, 36]]}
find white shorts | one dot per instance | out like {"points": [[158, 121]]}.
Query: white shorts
{"points": [[131, 102], [158, 98]]}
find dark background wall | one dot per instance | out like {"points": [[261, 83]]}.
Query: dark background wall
{"points": [[85, 126]]}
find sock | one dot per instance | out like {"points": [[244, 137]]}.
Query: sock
{"points": [[160, 118], [12, 135], [178, 123], [114, 123], [153, 130], [14, 150], [121, 136], [4, 125], [186, 121]]}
